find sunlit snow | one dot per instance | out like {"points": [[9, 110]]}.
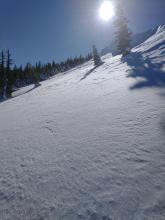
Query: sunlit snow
{"points": [[88, 145]]}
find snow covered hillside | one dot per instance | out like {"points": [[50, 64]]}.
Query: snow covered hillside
{"points": [[88, 144]]}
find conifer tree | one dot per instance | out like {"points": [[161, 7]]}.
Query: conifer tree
{"points": [[9, 75], [15, 73], [3, 79], [36, 74], [123, 34], [96, 57]]}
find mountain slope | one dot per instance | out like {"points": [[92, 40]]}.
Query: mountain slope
{"points": [[88, 144]]}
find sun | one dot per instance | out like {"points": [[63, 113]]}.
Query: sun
{"points": [[106, 11]]}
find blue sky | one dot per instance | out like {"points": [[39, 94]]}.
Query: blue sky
{"points": [[49, 30]]}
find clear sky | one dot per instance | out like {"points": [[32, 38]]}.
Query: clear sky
{"points": [[49, 30]]}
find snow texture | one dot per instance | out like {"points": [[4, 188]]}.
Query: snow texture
{"points": [[88, 144]]}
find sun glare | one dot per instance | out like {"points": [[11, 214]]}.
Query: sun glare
{"points": [[106, 11]]}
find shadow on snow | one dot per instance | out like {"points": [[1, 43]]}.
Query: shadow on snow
{"points": [[152, 74], [90, 71], [15, 96]]}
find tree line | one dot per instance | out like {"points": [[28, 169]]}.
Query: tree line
{"points": [[11, 77]]}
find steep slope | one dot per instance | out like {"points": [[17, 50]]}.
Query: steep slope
{"points": [[88, 144]]}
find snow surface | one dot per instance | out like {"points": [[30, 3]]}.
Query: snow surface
{"points": [[88, 144]]}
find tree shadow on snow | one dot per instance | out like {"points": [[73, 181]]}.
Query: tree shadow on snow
{"points": [[15, 96], [90, 71], [34, 87], [151, 74]]}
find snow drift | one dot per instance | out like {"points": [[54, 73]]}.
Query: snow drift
{"points": [[88, 144]]}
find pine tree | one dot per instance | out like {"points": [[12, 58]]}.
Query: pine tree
{"points": [[96, 57], [123, 33], [3, 79], [16, 75], [21, 75], [36, 74], [9, 75]]}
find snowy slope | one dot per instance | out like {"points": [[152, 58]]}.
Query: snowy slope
{"points": [[88, 144]]}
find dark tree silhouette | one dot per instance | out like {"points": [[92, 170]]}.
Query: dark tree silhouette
{"points": [[96, 57], [36, 74], [3, 79], [9, 74]]}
